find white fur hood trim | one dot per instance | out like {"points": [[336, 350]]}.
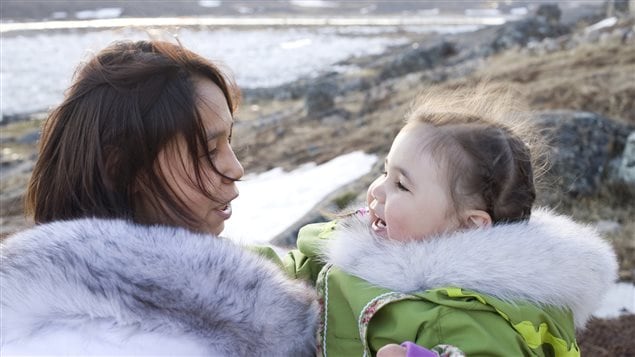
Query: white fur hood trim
{"points": [[124, 284], [548, 260]]}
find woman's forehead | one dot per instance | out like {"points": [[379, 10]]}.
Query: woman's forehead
{"points": [[212, 105]]}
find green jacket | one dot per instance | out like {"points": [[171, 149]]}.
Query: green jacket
{"points": [[510, 290]]}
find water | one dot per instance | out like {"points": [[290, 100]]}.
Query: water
{"points": [[37, 68]]}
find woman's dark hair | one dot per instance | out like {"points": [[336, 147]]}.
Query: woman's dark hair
{"points": [[485, 142], [98, 148]]}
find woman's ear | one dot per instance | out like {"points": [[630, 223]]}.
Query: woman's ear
{"points": [[477, 219]]}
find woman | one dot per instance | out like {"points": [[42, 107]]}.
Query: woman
{"points": [[131, 189]]}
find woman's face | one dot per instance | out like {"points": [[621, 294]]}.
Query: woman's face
{"points": [[180, 174]]}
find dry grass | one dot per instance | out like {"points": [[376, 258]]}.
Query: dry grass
{"points": [[592, 77]]}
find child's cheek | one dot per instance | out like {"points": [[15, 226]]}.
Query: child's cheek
{"points": [[396, 227]]}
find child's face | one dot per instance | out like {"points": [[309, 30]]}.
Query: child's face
{"points": [[411, 200]]}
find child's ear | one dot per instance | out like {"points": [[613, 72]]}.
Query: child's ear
{"points": [[477, 219]]}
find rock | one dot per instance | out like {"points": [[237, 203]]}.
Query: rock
{"points": [[546, 24], [335, 116], [626, 170], [550, 12], [320, 99], [582, 147], [376, 97], [418, 58], [30, 138]]}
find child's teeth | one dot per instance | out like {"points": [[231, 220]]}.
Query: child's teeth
{"points": [[381, 223]]}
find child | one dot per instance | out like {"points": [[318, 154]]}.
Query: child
{"points": [[446, 252]]}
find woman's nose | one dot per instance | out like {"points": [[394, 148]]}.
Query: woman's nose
{"points": [[231, 167]]}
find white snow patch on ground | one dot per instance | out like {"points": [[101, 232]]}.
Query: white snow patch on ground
{"points": [[209, 3], [314, 3], [620, 299], [272, 201], [105, 13]]}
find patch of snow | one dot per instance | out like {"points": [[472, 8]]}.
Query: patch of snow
{"points": [[59, 15], [368, 9], [105, 13], [272, 201], [620, 299], [244, 10], [442, 29], [608, 22], [482, 12], [314, 3], [429, 12], [290, 45], [519, 11], [209, 3]]}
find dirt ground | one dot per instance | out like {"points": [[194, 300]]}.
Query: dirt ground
{"points": [[604, 338]]}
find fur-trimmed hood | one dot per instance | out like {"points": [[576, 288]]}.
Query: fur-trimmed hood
{"points": [[95, 286], [549, 260]]}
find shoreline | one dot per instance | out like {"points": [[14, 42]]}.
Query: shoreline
{"points": [[241, 22]]}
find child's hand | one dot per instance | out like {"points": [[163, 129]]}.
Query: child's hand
{"points": [[392, 350], [410, 349]]}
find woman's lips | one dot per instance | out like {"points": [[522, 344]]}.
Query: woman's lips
{"points": [[225, 212]]}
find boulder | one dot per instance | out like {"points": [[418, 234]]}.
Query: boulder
{"points": [[550, 12], [418, 58], [320, 99], [626, 170], [546, 24], [582, 146]]}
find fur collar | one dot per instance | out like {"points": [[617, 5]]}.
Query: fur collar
{"points": [[548, 260], [152, 280]]}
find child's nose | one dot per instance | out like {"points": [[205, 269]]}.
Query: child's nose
{"points": [[377, 189], [369, 193]]}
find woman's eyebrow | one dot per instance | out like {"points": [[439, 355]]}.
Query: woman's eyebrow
{"points": [[212, 135]]}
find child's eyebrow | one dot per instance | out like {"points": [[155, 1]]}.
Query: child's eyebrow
{"points": [[402, 171]]}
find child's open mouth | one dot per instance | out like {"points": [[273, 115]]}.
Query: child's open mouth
{"points": [[379, 226]]}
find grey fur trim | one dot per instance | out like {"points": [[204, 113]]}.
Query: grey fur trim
{"points": [[153, 279], [548, 260]]}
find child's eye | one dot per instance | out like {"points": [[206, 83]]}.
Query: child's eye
{"points": [[402, 187], [384, 173]]}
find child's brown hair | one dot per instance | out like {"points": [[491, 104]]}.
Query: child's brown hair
{"points": [[484, 140]]}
